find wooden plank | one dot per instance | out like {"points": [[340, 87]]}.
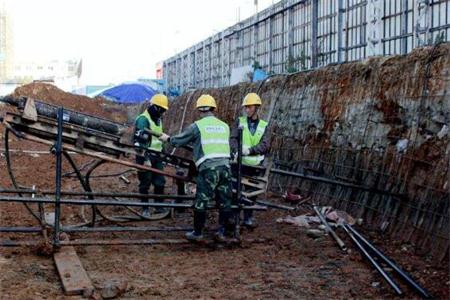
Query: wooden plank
{"points": [[74, 278]]}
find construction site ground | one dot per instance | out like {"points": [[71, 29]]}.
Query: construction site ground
{"points": [[283, 263], [286, 264]]}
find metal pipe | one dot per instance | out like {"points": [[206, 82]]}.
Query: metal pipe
{"points": [[330, 230], [380, 270], [274, 205], [58, 176], [405, 276], [336, 182], [112, 203], [98, 194], [73, 117], [237, 230], [102, 156], [20, 229], [123, 229]]}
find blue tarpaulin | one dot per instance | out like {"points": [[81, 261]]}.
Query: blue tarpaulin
{"points": [[259, 75], [129, 93]]}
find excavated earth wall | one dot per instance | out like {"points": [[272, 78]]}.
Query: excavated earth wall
{"points": [[381, 123]]}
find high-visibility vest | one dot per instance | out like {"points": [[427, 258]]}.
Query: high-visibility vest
{"points": [[250, 140], [215, 139], [156, 144]]}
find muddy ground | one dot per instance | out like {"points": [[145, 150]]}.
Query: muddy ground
{"points": [[288, 264]]}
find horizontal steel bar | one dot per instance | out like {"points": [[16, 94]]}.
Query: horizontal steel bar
{"points": [[124, 229], [21, 229], [336, 182], [114, 203], [97, 194]]}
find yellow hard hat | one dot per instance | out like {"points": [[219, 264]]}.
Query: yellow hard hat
{"points": [[252, 99], [160, 100], [206, 100]]}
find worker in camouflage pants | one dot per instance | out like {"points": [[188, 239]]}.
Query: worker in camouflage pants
{"points": [[210, 139]]}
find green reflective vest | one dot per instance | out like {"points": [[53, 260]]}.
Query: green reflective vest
{"points": [[215, 139], [156, 144], [249, 140]]}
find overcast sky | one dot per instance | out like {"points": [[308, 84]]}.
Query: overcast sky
{"points": [[118, 40]]}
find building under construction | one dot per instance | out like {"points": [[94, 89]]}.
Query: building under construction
{"points": [[295, 35]]}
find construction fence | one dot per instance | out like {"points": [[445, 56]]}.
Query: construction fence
{"points": [[294, 35]]}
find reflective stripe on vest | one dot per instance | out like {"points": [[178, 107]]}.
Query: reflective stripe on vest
{"points": [[249, 140], [156, 144], [215, 139]]}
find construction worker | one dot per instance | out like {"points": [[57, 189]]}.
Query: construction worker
{"points": [[150, 119], [209, 137], [255, 143]]}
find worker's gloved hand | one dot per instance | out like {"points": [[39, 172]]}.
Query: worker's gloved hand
{"points": [[147, 163], [164, 137], [245, 152], [138, 148]]}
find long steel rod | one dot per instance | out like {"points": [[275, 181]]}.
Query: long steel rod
{"points": [[21, 229], [112, 203], [97, 194], [380, 270], [405, 276], [58, 176], [335, 182], [102, 156], [330, 230], [124, 229]]}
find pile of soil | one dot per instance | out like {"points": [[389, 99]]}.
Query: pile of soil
{"points": [[97, 106]]}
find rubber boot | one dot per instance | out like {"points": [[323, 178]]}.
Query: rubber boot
{"points": [[224, 217], [248, 219], [145, 209], [159, 190], [199, 223]]}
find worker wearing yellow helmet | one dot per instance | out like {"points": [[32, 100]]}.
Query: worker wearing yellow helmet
{"points": [[150, 119], [255, 142], [209, 137]]}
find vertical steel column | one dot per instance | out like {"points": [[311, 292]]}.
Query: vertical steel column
{"points": [[290, 29], [404, 30], [58, 153], [204, 63], [314, 28], [270, 50], [222, 59], [238, 184], [340, 29]]}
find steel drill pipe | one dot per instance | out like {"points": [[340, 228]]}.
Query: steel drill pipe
{"points": [[330, 230], [70, 116], [125, 229], [112, 203], [58, 176], [380, 270], [97, 194], [404, 275], [335, 182]]}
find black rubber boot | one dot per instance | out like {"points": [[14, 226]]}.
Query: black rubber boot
{"points": [[224, 221], [145, 209], [248, 219], [159, 190], [199, 223]]}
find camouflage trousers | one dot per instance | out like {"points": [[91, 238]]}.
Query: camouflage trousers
{"points": [[214, 183]]}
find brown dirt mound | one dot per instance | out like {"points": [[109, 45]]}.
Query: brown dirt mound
{"points": [[49, 93]]}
